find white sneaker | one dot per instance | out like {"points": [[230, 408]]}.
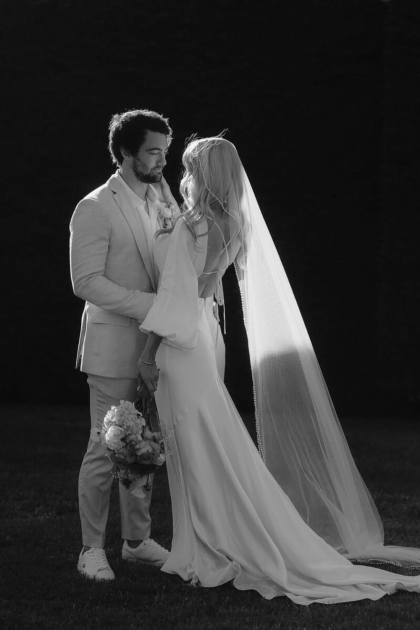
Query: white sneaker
{"points": [[148, 552], [93, 564]]}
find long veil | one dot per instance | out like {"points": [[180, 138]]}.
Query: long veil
{"points": [[300, 437]]}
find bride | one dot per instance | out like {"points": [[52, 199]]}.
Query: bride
{"points": [[286, 518]]}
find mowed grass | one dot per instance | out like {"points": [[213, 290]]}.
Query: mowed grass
{"points": [[41, 451]]}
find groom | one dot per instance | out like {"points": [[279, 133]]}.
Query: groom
{"points": [[111, 248]]}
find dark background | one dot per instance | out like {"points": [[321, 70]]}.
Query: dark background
{"points": [[321, 98]]}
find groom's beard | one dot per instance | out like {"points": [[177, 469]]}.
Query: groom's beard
{"points": [[147, 178]]}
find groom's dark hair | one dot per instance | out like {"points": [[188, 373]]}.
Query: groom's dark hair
{"points": [[128, 131]]}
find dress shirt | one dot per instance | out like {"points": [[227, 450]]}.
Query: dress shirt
{"points": [[147, 211]]}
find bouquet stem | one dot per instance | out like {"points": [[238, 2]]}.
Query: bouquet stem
{"points": [[146, 405]]}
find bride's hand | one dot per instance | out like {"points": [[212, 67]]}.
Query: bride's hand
{"points": [[164, 192], [149, 375]]}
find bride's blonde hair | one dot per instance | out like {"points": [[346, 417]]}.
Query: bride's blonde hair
{"points": [[212, 171]]}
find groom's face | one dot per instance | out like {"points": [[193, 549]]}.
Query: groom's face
{"points": [[150, 160]]}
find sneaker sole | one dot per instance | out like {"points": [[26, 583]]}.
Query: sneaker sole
{"points": [[93, 577], [159, 563]]}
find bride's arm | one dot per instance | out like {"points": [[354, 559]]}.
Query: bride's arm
{"points": [[147, 370], [175, 311]]}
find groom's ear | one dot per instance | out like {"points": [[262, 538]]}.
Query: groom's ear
{"points": [[126, 154]]}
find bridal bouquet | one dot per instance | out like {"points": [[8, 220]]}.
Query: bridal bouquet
{"points": [[134, 443]]}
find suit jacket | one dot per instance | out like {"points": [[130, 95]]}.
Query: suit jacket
{"points": [[111, 268]]}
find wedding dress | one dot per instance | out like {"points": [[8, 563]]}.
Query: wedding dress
{"points": [[232, 520]]}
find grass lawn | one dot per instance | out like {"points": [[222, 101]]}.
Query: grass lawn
{"points": [[42, 448]]}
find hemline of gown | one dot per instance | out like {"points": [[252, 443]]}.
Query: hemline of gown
{"points": [[255, 538]]}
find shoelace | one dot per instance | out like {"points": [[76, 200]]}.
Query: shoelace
{"points": [[99, 558]]}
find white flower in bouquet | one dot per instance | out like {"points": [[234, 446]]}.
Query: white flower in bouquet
{"points": [[113, 438], [128, 416], [110, 418]]}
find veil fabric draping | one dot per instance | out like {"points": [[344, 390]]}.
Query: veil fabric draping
{"points": [[300, 437]]}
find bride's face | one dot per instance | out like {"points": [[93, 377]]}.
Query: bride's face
{"points": [[192, 189], [189, 184]]}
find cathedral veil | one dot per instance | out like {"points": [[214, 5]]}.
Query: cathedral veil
{"points": [[300, 437]]}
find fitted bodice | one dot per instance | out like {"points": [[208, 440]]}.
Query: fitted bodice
{"points": [[214, 254]]}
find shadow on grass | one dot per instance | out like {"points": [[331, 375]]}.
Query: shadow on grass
{"points": [[42, 449]]}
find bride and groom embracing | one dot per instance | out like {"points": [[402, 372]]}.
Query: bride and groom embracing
{"points": [[285, 519]]}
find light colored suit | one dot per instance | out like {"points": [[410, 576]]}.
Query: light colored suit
{"points": [[113, 271]]}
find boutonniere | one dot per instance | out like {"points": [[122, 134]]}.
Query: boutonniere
{"points": [[166, 213]]}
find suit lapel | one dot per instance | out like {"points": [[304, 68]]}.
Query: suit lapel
{"points": [[133, 219]]}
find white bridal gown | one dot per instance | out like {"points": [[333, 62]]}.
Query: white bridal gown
{"points": [[231, 519]]}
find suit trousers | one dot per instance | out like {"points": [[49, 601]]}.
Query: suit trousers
{"points": [[95, 480]]}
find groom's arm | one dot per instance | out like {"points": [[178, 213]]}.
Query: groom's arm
{"points": [[90, 232]]}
